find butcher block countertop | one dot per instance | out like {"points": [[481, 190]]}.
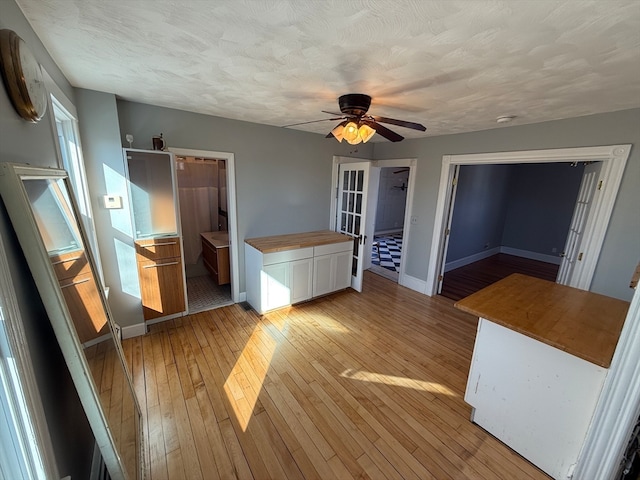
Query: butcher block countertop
{"points": [[217, 239], [581, 323], [293, 241]]}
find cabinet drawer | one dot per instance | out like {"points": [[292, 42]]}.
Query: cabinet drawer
{"points": [[287, 255], [69, 265], [154, 249], [85, 306], [161, 287], [333, 248]]}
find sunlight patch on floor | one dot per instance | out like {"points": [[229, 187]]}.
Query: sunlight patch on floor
{"points": [[245, 380], [406, 382]]}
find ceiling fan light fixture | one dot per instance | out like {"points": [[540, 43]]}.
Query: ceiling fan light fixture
{"points": [[350, 133], [366, 132], [338, 132]]}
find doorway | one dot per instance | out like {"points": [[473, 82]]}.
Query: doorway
{"points": [[406, 167], [388, 227], [207, 219], [509, 219], [613, 160]]}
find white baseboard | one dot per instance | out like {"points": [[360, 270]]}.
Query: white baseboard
{"points": [[389, 232], [461, 262], [242, 297], [508, 250], [413, 283], [136, 330], [555, 259]]}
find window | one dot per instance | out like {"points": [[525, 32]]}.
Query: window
{"points": [[72, 162]]}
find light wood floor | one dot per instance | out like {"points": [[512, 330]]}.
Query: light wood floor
{"points": [[353, 385]]}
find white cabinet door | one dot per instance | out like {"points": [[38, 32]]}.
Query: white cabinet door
{"points": [[323, 276], [275, 286], [343, 270], [301, 279]]}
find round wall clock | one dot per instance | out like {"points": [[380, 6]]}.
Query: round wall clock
{"points": [[22, 77]]}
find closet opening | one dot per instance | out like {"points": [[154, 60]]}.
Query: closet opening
{"points": [[202, 193]]}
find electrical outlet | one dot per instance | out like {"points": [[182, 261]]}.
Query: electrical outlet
{"points": [[414, 220]]}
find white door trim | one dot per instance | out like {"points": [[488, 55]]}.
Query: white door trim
{"points": [[232, 218], [618, 407], [614, 158]]}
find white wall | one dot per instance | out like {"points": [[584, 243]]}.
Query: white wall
{"points": [[391, 199]]}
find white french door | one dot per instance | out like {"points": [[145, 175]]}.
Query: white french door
{"points": [[447, 232], [353, 183], [572, 253]]}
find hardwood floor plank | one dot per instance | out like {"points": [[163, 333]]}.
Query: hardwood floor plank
{"points": [[464, 281], [352, 385]]}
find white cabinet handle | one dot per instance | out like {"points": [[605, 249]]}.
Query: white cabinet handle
{"points": [[74, 283], [160, 265], [66, 260]]}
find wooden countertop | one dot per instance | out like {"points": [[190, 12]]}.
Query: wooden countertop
{"points": [[294, 241], [581, 323], [217, 239]]}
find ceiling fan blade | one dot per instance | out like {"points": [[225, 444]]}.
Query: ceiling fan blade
{"points": [[385, 132], [333, 113], [400, 123], [312, 121]]}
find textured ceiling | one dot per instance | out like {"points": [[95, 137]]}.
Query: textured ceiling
{"points": [[454, 66]]}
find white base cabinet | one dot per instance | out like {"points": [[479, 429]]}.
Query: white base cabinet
{"points": [[537, 399], [278, 279]]}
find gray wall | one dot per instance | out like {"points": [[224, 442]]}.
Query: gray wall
{"points": [[479, 210], [23, 142], [283, 176], [105, 169], [523, 206], [621, 248], [541, 201]]}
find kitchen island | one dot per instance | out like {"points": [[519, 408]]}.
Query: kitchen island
{"points": [[286, 269], [539, 362]]}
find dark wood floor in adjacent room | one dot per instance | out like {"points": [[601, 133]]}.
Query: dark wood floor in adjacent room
{"points": [[353, 385], [464, 281]]}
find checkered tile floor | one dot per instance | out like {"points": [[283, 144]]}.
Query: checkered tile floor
{"points": [[386, 251]]}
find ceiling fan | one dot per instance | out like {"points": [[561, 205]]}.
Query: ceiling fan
{"points": [[357, 126]]}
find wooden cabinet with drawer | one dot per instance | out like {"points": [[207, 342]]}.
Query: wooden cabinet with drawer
{"points": [[215, 255], [81, 294], [161, 277]]}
